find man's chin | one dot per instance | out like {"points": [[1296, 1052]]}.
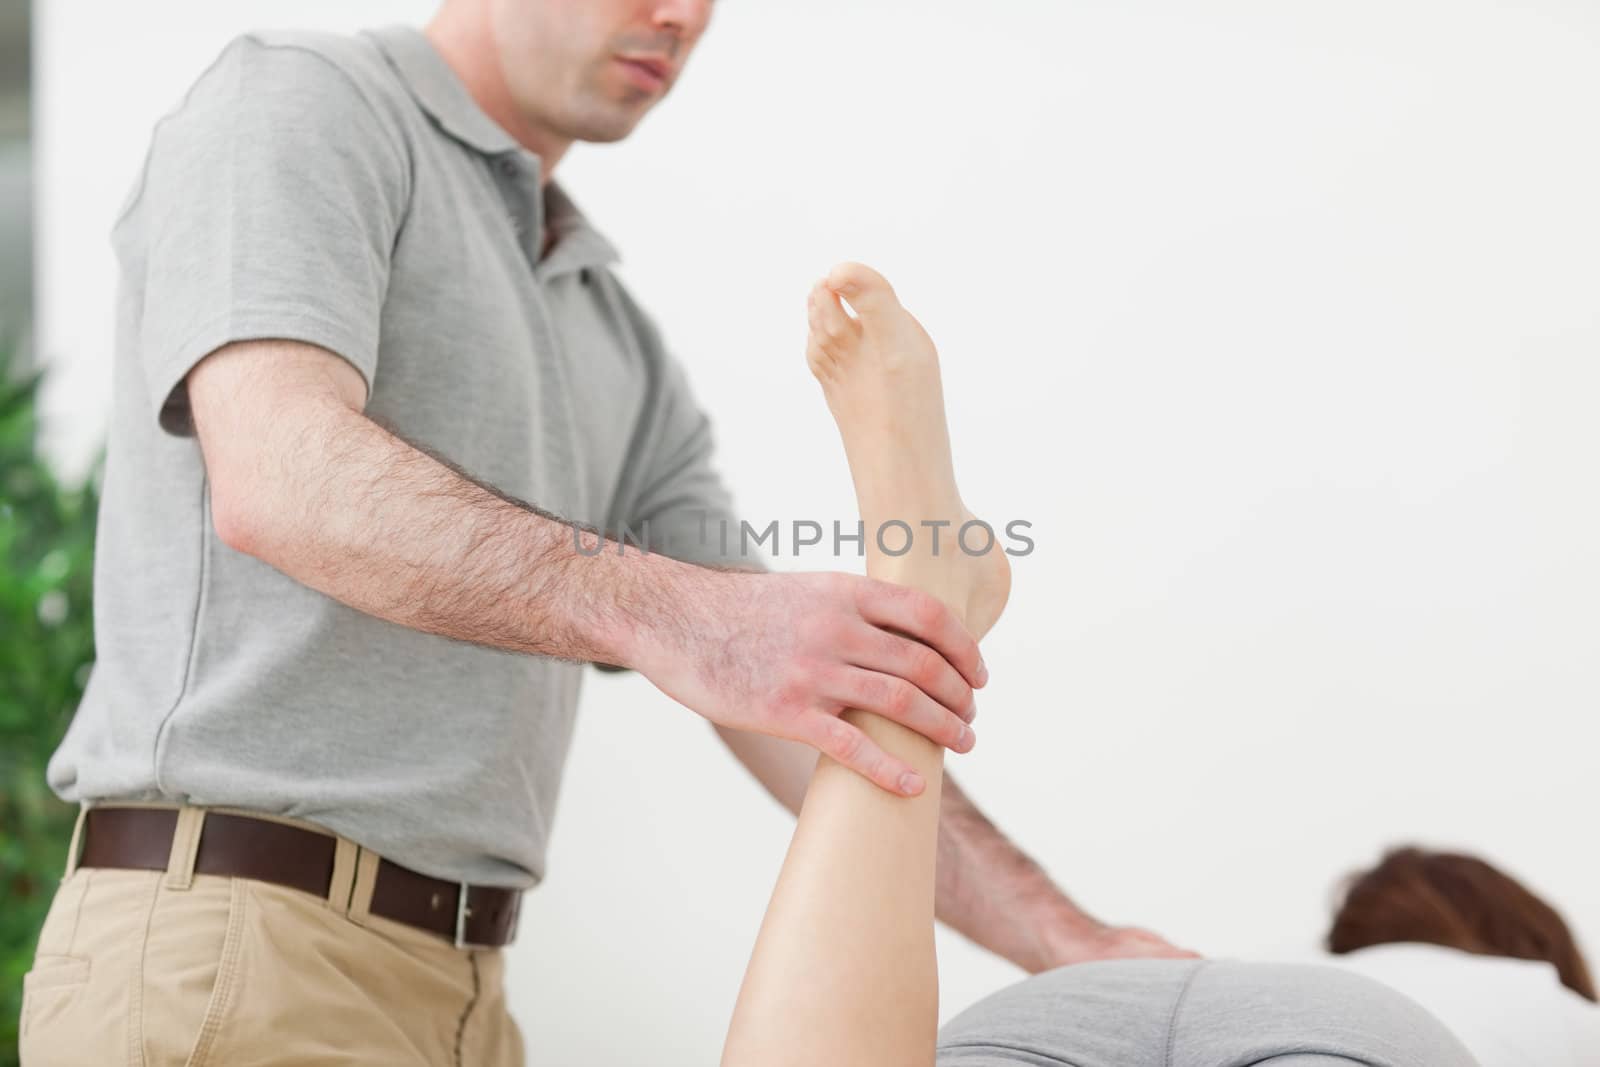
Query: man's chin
{"points": [[607, 114], [608, 130]]}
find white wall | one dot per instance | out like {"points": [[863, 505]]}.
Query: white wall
{"points": [[1281, 324]]}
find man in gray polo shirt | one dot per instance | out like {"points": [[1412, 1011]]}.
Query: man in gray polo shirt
{"points": [[372, 370]]}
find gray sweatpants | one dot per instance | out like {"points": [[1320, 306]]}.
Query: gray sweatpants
{"points": [[1189, 1013]]}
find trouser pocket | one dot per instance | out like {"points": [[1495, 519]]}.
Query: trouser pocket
{"points": [[48, 989], [56, 980], [190, 969], [129, 971]]}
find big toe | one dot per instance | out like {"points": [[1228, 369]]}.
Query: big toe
{"points": [[868, 291], [833, 336]]}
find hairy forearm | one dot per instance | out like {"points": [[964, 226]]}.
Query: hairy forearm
{"points": [[351, 509], [995, 894]]}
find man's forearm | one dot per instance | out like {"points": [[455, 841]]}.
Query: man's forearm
{"points": [[300, 478], [356, 512], [991, 891]]}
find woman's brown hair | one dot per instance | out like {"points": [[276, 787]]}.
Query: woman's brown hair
{"points": [[1460, 902]]}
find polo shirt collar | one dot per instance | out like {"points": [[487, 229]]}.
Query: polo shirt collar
{"points": [[578, 244], [441, 93]]}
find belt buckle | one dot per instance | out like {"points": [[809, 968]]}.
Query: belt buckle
{"points": [[462, 911]]}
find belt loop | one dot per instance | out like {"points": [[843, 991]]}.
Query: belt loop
{"points": [[185, 844], [361, 893], [340, 886], [77, 839]]}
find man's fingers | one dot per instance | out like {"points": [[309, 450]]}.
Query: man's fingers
{"points": [[899, 701], [890, 653], [848, 745], [924, 617], [1132, 942]]}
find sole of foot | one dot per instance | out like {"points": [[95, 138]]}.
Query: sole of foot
{"points": [[879, 372]]}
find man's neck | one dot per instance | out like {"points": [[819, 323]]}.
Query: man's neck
{"points": [[470, 52]]}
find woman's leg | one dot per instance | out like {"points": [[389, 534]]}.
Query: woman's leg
{"points": [[843, 970]]}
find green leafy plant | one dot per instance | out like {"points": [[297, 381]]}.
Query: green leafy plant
{"points": [[46, 649]]}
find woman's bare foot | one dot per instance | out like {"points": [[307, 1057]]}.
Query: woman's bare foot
{"points": [[880, 373]]}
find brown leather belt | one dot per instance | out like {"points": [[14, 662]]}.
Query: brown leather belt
{"points": [[243, 847]]}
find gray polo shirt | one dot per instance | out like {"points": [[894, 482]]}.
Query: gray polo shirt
{"points": [[347, 192]]}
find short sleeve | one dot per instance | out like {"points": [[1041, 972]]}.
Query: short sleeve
{"points": [[682, 508], [268, 209]]}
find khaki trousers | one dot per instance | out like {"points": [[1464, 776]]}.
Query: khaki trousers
{"points": [[176, 969]]}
